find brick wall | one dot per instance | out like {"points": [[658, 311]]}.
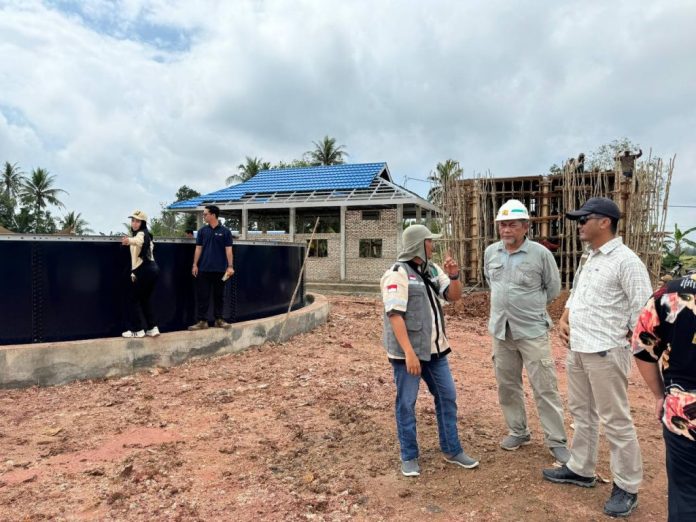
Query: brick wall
{"points": [[358, 269], [324, 268], [370, 269]]}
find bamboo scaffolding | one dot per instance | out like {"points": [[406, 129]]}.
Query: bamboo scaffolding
{"points": [[470, 205]]}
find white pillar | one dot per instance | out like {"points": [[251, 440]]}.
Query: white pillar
{"points": [[343, 243], [199, 220], [428, 218], [399, 226], [418, 215], [291, 225], [245, 223]]}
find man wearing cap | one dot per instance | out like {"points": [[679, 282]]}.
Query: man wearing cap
{"points": [[212, 266], [523, 278], [609, 289], [417, 346]]}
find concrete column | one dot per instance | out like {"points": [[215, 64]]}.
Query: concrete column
{"points": [[428, 218], [291, 225], [418, 215], [399, 226], [245, 223], [343, 243], [199, 220]]}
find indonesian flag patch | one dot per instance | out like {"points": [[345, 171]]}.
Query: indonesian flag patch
{"points": [[412, 277], [392, 289]]}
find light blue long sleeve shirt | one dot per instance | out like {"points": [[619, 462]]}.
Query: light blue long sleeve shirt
{"points": [[522, 284]]}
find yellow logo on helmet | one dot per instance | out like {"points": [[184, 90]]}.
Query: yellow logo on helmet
{"points": [[505, 212]]}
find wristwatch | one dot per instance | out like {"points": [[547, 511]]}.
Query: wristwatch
{"points": [[454, 278]]}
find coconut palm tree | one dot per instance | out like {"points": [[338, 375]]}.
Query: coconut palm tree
{"points": [[73, 223], [38, 191], [444, 173], [327, 153], [12, 178], [247, 170]]}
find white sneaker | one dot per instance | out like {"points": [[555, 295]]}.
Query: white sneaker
{"points": [[154, 332], [128, 333]]}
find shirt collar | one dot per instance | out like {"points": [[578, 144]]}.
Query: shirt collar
{"points": [[609, 246]]}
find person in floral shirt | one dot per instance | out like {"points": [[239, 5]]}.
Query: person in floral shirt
{"points": [[664, 345]]}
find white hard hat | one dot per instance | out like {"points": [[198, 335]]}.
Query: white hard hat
{"points": [[512, 209]]}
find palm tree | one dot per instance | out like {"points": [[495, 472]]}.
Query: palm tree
{"points": [[327, 153], [12, 179], [678, 238], [73, 223], [38, 191], [247, 170], [444, 174]]}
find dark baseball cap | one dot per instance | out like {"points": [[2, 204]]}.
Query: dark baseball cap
{"points": [[603, 206]]}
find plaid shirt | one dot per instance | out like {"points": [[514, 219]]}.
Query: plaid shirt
{"points": [[608, 293]]}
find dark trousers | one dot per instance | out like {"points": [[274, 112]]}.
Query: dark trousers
{"points": [[681, 477], [140, 291], [209, 283]]}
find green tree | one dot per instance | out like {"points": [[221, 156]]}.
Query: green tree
{"points": [[188, 221], [12, 180], [38, 192], [7, 219], [73, 223], [603, 157], [326, 152], [185, 193], [444, 173], [247, 170], [676, 243]]}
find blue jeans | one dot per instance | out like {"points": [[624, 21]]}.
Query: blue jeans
{"points": [[436, 374]]}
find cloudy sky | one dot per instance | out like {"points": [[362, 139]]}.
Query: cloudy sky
{"points": [[126, 100]]}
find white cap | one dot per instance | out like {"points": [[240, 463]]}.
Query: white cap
{"points": [[512, 209]]}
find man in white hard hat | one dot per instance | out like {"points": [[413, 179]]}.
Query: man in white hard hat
{"points": [[523, 278], [417, 346]]}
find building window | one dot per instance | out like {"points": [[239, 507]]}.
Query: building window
{"points": [[370, 215], [328, 223], [370, 248], [318, 247]]}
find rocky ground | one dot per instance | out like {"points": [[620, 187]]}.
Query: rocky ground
{"points": [[298, 431]]}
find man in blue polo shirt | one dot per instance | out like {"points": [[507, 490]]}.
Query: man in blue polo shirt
{"points": [[212, 266]]}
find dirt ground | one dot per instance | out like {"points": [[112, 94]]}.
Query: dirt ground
{"points": [[299, 431]]}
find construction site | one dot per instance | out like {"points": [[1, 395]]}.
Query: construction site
{"points": [[255, 424], [640, 189]]}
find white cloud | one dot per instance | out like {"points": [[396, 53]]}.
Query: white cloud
{"points": [[126, 101]]}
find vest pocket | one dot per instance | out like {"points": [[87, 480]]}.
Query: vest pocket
{"points": [[414, 313]]}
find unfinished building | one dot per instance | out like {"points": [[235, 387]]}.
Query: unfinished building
{"points": [[641, 190]]}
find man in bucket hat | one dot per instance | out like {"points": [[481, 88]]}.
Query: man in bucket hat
{"points": [[609, 290], [417, 346]]}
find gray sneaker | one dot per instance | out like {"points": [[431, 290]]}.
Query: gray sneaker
{"points": [[621, 503], [463, 460], [513, 442], [410, 468], [560, 453]]}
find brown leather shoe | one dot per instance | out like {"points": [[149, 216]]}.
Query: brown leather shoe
{"points": [[220, 323], [200, 325]]}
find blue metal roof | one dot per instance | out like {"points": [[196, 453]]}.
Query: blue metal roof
{"points": [[330, 177]]}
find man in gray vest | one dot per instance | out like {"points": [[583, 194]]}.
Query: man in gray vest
{"points": [[416, 344], [523, 278]]}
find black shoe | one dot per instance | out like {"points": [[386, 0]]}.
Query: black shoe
{"points": [[621, 503], [563, 475]]}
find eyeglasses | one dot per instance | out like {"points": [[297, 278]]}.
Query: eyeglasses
{"points": [[584, 219]]}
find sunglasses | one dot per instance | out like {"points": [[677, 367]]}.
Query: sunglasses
{"points": [[584, 219]]}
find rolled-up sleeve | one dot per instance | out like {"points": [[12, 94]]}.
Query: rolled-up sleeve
{"points": [[635, 282], [395, 291]]}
